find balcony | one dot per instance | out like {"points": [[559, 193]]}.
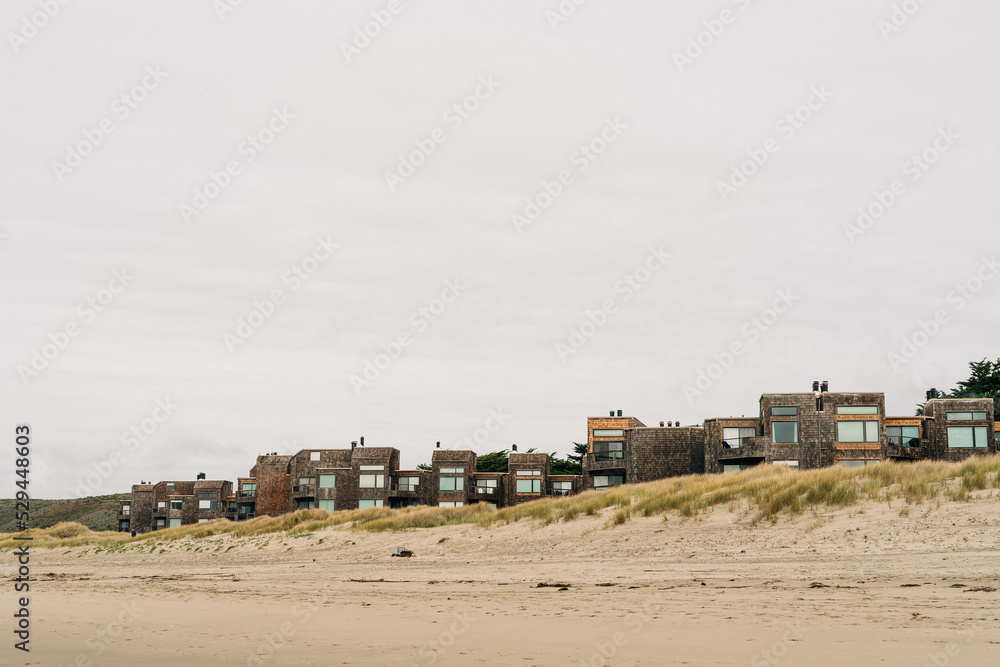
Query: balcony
{"points": [[750, 448], [592, 463], [900, 452], [304, 490], [246, 495], [244, 517], [560, 492], [125, 512]]}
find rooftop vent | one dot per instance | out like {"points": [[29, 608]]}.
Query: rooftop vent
{"points": [[438, 444], [661, 424], [815, 385], [825, 386], [619, 413], [513, 448], [201, 475], [354, 443], [612, 413], [362, 441]]}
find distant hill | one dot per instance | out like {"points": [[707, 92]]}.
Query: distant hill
{"points": [[95, 512]]}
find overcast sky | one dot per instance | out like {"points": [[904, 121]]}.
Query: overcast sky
{"points": [[167, 165]]}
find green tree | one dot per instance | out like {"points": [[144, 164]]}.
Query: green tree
{"points": [[494, 462]]}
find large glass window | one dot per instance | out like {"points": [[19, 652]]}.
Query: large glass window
{"points": [[451, 503], [161, 504], [604, 481], [326, 504], [857, 431], [529, 486], [562, 488], [966, 416], [176, 504], [784, 432], [790, 464], [206, 504], [452, 471], [609, 432], [857, 409], [784, 411], [249, 488], [407, 483], [451, 483], [327, 481], [904, 436], [372, 467], [305, 481], [304, 504], [314, 456], [371, 481], [486, 485], [733, 436], [967, 436], [609, 451], [174, 523], [529, 473], [161, 522], [736, 467], [365, 504]]}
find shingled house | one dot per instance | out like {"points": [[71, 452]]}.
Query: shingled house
{"points": [[799, 430]]}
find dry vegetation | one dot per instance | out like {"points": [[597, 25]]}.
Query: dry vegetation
{"points": [[768, 492]]}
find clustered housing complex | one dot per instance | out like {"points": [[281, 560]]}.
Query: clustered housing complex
{"points": [[799, 430]]}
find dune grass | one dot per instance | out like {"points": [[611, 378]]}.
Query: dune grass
{"points": [[765, 491]]}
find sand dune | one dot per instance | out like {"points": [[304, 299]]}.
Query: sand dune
{"points": [[859, 586]]}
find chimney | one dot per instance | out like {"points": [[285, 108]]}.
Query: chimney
{"points": [[825, 386], [354, 443], [612, 413], [931, 393], [362, 441], [815, 385], [661, 424], [201, 475], [619, 413], [438, 446], [513, 448]]}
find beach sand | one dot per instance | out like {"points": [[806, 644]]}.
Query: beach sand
{"points": [[858, 586]]}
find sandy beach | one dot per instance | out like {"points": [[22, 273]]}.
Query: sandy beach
{"points": [[860, 586]]}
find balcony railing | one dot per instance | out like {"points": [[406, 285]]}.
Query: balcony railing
{"points": [[125, 512], [485, 489], [405, 487], [561, 492], [244, 517], [246, 494], [303, 488]]}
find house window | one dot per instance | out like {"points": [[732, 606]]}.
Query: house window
{"points": [[736, 467], [314, 456], [203, 520], [372, 467], [609, 432], [326, 504], [305, 481], [452, 471], [786, 411], [609, 451], [208, 495], [451, 483], [857, 431], [161, 522], [966, 416], [304, 504], [123, 524], [126, 509], [857, 409], [562, 488], [206, 504], [967, 436], [327, 481], [733, 436], [161, 504], [176, 504], [249, 488], [904, 436], [784, 432], [790, 464], [407, 483], [529, 473], [174, 523], [451, 503], [529, 486], [857, 463], [371, 481], [486, 485], [365, 504], [604, 481], [170, 486]]}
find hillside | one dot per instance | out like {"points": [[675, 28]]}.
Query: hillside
{"points": [[95, 512]]}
